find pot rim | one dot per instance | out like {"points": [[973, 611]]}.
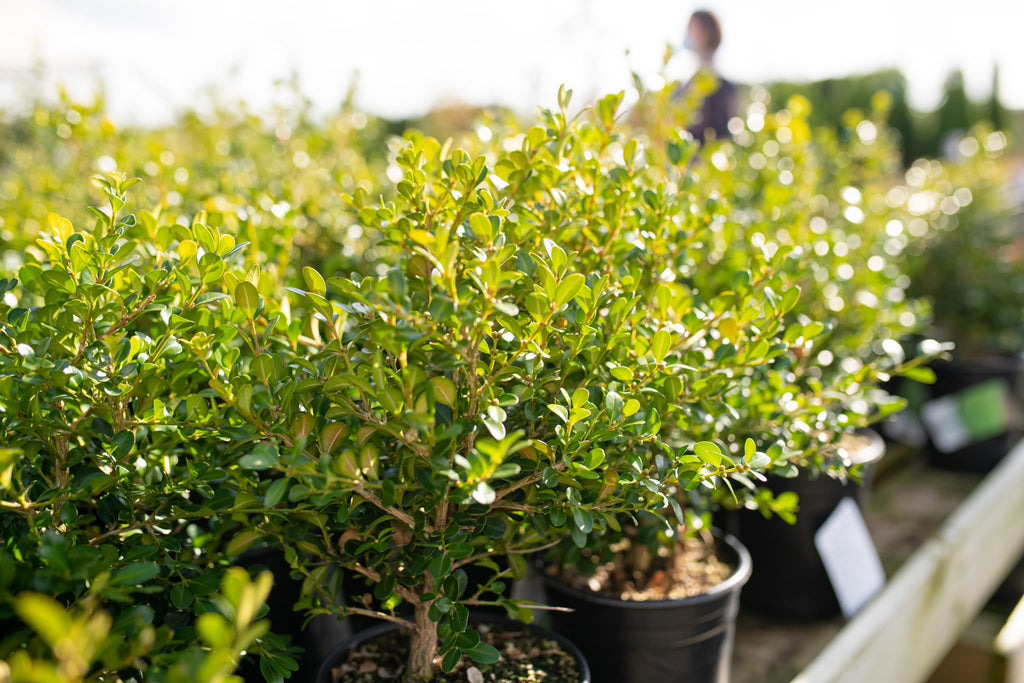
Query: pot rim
{"points": [[873, 451], [377, 630], [735, 582]]}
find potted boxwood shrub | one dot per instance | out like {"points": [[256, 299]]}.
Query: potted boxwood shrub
{"points": [[969, 265], [108, 486], [500, 385], [806, 192], [826, 194], [647, 224], [634, 212]]}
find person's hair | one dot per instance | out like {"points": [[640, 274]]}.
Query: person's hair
{"points": [[709, 22]]}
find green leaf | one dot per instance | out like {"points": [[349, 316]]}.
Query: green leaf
{"points": [[215, 630], [483, 653], [749, 449], [241, 542], [211, 268], [444, 391], [920, 374], [181, 596], [440, 567], [247, 297], [613, 404], [204, 237], [263, 366], [560, 411], [314, 281], [451, 660], [580, 398], [460, 550], [536, 306], [263, 457], [708, 452], [134, 574], [392, 400], [483, 494], [123, 443], [789, 299], [813, 329], [675, 152], [786, 470], [583, 519], [383, 589], [569, 288], [481, 227], [661, 344], [573, 495], [759, 461], [210, 297], [44, 615], [622, 373], [496, 429], [631, 407], [276, 492]]}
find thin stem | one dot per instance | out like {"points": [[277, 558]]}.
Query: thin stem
{"points": [[115, 327], [371, 497]]}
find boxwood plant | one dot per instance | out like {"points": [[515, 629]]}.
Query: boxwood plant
{"points": [[505, 384], [555, 331], [272, 181], [110, 494], [969, 263], [826, 201]]}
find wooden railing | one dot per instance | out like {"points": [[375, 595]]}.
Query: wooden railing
{"points": [[913, 622]]}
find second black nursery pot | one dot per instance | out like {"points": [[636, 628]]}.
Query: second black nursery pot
{"points": [[962, 376], [789, 578], [663, 641]]}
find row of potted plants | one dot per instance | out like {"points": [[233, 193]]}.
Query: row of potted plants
{"points": [[971, 267], [574, 341]]}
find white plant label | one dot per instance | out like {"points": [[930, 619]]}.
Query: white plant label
{"points": [[978, 412], [942, 418], [850, 557]]}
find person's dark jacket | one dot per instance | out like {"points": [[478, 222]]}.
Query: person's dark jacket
{"points": [[718, 108]]}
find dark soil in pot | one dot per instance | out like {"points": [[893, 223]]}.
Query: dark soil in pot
{"points": [[655, 641], [529, 653], [789, 578], [1004, 376]]}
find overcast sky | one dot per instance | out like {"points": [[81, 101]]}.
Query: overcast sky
{"points": [[154, 57]]}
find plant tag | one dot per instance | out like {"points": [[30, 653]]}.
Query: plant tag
{"points": [[974, 414], [941, 418], [849, 556], [985, 408]]}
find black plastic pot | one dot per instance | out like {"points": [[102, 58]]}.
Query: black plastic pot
{"points": [[341, 652], [954, 377], [789, 579], [655, 641], [316, 638]]}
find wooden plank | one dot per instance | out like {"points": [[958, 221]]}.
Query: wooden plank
{"points": [[910, 625]]}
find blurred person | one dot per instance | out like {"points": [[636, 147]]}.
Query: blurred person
{"points": [[703, 36]]}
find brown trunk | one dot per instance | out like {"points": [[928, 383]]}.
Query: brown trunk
{"points": [[422, 646], [62, 476]]}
